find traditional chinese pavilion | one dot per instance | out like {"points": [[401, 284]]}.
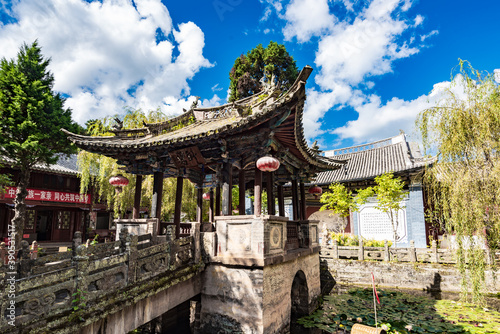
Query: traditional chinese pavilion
{"points": [[263, 270], [219, 146]]}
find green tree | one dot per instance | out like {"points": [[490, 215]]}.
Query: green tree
{"points": [[5, 180], [32, 115], [270, 63], [388, 191], [390, 195], [463, 186]]}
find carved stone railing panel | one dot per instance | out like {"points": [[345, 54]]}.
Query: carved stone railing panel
{"points": [[100, 251], [292, 235], [97, 272], [374, 253], [152, 265], [46, 279], [410, 254], [105, 282], [34, 300]]}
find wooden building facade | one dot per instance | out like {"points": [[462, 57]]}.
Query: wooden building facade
{"points": [[55, 209]]}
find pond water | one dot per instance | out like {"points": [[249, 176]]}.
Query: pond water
{"points": [[402, 310]]}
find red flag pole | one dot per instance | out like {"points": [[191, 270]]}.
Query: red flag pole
{"points": [[375, 295]]}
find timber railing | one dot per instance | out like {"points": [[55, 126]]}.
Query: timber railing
{"points": [[63, 285], [386, 253]]}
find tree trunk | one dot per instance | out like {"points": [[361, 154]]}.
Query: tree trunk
{"points": [[20, 206]]}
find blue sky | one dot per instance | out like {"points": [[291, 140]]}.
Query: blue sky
{"points": [[377, 64]]}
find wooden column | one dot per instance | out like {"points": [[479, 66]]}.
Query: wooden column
{"points": [[137, 196], [281, 201], [178, 206], [303, 206], [157, 195], [271, 208], [211, 208], [217, 200], [295, 200], [227, 186], [257, 191], [199, 204], [241, 186]]}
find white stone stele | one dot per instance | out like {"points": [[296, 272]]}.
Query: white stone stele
{"points": [[375, 224], [137, 226]]}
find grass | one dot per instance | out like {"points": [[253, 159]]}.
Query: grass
{"points": [[401, 312]]}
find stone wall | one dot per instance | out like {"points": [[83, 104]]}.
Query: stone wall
{"points": [[277, 289], [254, 300], [420, 276]]}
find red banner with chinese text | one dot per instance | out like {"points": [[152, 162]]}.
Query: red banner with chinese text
{"points": [[49, 195]]}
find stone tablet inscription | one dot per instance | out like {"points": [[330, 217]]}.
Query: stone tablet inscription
{"points": [[375, 224]]}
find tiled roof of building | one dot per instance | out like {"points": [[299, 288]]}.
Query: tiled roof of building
{"points": [[199, 126], [370, 160], [65, 165]]}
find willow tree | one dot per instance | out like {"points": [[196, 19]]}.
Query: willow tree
{"points": [[95, 171], [464, 184]]}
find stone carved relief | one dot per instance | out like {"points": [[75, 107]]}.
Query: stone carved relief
{"points": [[275, 237], [183, 257], [238, 238], [153, 266], [109, 282], [41, 305]]}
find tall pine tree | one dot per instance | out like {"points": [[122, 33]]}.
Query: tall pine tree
{"points": [[31, 115]]}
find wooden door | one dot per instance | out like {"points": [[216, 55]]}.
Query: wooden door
{"points": [[62, 224]]}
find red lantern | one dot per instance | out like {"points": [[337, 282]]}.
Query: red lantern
{"points": [[315, 191], [206, 196], [268, 164], [118, 182]]}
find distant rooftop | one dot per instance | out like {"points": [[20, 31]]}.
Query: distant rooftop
{"points": [[367, 161], [65, 165]]}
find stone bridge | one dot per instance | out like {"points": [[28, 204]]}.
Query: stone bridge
{"points": [[254, 275]]}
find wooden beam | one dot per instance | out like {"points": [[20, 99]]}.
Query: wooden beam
{"points": [[257, 190], [137, 196], [199, 204], [281, 201], [157, 195], [241, 186], [227, 186], [211, 208], [178, 206], [295, 200], [271, 209], [302, 201], [217, 200]]}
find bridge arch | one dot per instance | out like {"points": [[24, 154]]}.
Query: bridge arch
{"points": [[299, 298]]}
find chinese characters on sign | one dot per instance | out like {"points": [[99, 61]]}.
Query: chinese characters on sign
{"points": [[187, 157], [50, 195], [375, 224]]}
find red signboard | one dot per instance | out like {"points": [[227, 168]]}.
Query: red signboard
{"points": [[50, 195]]}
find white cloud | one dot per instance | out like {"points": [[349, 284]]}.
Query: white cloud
{"points": [[432, 33], [351, 53], [307, 18], [418, 20], [496, 73], [105, 55], [377, 120]]}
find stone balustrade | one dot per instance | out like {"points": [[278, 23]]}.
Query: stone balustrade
{"points": [[409, 254], [80, 286]]}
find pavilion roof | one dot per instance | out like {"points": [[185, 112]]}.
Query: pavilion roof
{"points": [[367, 161], [199, 126]]}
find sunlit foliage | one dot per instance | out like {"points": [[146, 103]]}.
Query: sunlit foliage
{"points": [[464, 185]]}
